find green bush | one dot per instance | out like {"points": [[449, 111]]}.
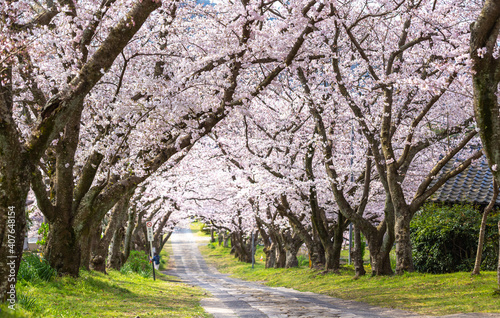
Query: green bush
{"points": [[444, 239], [44, 232], [138, 262], [303, 260], [33, 268]]}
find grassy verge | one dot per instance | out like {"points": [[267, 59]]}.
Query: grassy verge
{"points": [[93, 294], [198, 229], [115, 295], [421, 293]]}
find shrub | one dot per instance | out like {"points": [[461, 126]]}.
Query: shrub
{"points": [[34, 268], [138, 262], [303, 260], [445, 238], [44, 232]]}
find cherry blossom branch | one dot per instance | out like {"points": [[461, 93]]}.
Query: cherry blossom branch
{"points": [[423, 192]]}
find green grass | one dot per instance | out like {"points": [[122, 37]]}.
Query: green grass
{"points": [[198, 229], [421, 293], [114, 295], [117, 294]]}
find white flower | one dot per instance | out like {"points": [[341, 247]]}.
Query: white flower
{"points": [[481, 51], [494, 167]]}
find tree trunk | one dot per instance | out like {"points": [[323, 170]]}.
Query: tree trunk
{"points": [[404, 261], [291, 258], [316, 255], [212, 236], [63, 250], [270, 256], [12, 230], [165, 240], [116, 257], [357, 254], [291, 244], [336, 246], [269, 245], [128, 236], [498, 268], [100, 253], [242, 250], [279, 250], [480, 244], [89, 238], [482, 230], [15, 176], [220, 238]]}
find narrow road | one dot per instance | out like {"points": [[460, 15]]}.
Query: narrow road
{"points": [[236, 298]]}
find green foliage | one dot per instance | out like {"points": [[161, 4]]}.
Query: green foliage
{"points": [[44, 232], [28, 301], [211, 245], [303, 260], [445, 239], [33, 268], [138, 262], [205, 229]]}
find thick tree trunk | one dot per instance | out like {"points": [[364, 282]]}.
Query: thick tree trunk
{"points": [[270, 256], [316, 255], [12, 231], [15, 175], [63, 250], [279, 250], [242, 250], [212, 235], [89, 239], [404, 260], [227, 236], [116, 257], [291, 258], [269, 245], [100, 253], [380, 257], [291, 244], [336, 246]]}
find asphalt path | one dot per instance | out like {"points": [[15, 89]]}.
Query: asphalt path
{"points": [[232, 298]]}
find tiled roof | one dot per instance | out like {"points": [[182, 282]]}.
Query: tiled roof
{"points": [[474, 185]]}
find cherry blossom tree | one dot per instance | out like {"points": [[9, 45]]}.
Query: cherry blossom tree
{"points": [[22, 47], [219, 80], [399, 67], [485, 78]]}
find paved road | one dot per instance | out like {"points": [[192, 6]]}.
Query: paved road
{"points": [[236, 298]]}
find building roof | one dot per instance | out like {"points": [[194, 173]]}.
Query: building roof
{"points": [[473, 185]]}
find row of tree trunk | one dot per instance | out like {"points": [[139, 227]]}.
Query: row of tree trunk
{"points": [[107, 243]]}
